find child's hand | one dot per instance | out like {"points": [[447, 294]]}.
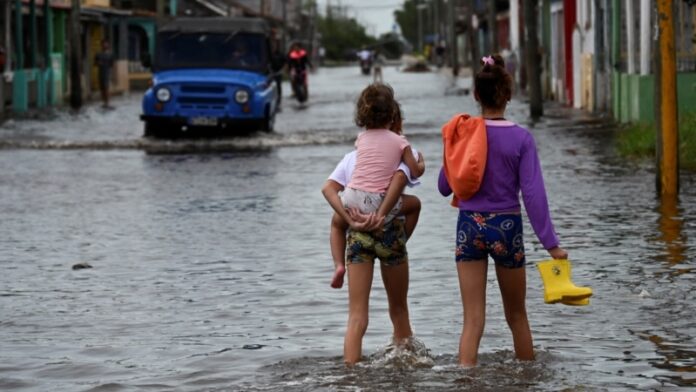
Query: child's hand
{"points": [[558, 253], [421, 162], [364, 222]]}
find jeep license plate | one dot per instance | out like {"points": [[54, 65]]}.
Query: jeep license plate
{"points": [[204, 121]]}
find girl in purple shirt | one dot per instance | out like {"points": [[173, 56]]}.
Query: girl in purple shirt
{"points": [[490, 222]]}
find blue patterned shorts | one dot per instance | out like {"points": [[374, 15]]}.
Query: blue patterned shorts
{"points": [[480, 234]]}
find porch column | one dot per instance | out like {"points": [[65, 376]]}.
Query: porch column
{"points": [[6, 15], [19, 36], [122, 52], [631, 33], [47, 76], [48, 32], [59, 46], [645, 30], [33, 38], [615, 32], [121, 55], [7, 12], [20, 96]]}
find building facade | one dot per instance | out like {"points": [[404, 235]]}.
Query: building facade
{"points": [[35, 41]]}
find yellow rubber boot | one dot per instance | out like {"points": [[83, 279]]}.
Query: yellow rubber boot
{"points": [[558, 287], [576, 302]]}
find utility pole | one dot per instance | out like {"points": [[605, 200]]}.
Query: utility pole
{"points": [[284, 49], [601, 82], [492, 26], [436, 20], [546, 48], [666, 93], [454, 55], [472, 35], [75, 56], [19, 36], [7, 32], [533, 72], [313, 28], [419, 16]]}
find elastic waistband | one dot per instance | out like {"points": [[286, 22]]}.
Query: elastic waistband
{"points": [[490, 213]]}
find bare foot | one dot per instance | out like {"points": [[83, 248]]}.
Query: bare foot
{"points": [[337, 280]]}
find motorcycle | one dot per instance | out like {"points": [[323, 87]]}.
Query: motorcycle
{"points": [[298, 81], [365, 66]]}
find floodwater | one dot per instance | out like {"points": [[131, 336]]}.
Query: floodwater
{"points": [[211, 264]]}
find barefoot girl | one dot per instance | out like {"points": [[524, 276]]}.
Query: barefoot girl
{"points": [[379, 152], [490, 223]]}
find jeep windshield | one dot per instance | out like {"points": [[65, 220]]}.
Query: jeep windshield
{"points": [[246, 51]]}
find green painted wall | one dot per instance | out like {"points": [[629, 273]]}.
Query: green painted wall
{"points": [[59, 45], [634, 96], [615, 94], [686, 92], [624, 93], [150, 29]]}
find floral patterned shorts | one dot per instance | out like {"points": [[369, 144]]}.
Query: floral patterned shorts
{"points": [[499, 235], [388, 245]]}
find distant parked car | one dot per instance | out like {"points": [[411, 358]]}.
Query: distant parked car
{"points": [[210, 76]]}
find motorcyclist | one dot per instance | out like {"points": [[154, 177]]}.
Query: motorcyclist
{"points": [[365, 57], [298, 62]]}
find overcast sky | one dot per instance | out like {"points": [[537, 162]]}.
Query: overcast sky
{"points": [[376, 15]]}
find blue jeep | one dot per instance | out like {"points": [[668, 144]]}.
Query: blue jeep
{"points": [[210, 75]]}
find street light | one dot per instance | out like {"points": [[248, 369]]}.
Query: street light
{"points": [[419, 10]]}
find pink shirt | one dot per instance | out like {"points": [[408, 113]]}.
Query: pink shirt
{"points": [[379, 155]]}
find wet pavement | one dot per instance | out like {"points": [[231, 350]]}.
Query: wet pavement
{"points": [[211, 264]]}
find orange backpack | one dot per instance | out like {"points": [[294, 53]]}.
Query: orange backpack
{"points": [[465, 150]]}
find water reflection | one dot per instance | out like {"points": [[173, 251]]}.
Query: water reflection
{"points": [[676, 356], [210, 269], [672, 339], [670, 225]]}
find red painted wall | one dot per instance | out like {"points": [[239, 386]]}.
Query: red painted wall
{"points": [[504, 33]]}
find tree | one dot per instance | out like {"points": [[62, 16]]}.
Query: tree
{"points": [[407, 18], [341, 37], [391, 45]]}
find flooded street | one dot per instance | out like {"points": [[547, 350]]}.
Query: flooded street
{"points": [[211, 263]]}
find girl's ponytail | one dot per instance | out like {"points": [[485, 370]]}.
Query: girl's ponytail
{"points": [[493, 84]]}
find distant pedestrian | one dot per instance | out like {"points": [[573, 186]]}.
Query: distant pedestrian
{"points": [[278, 61], [490, 221], [440, 54], [379, 62], [322, 55], [104, 61]]}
